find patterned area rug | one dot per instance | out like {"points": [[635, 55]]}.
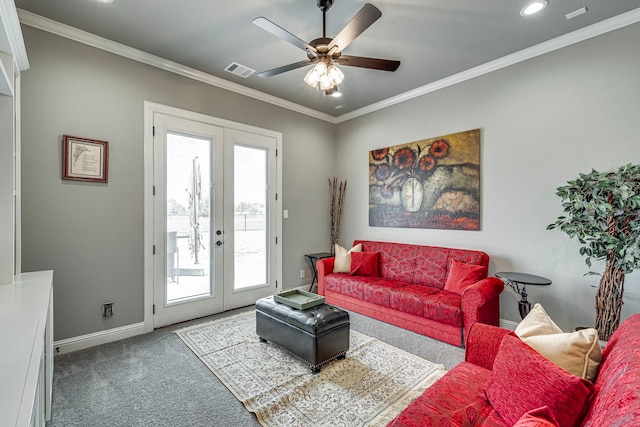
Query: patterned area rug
{"points": [[369, 388]]}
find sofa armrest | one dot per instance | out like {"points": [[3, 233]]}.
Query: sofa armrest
{"points": [[324, 267], [481, 303], [483, 342], [483, 291]]}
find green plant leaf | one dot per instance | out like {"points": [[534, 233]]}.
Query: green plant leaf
{"points": [[592, 203]]}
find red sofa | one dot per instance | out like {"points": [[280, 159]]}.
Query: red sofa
{"points": [[410, 290], [541, 394]]}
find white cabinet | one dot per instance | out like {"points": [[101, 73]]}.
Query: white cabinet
{"points": [[26, 300], [26, 357]]}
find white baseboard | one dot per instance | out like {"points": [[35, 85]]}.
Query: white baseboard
{"points": [[508, 324], [85, 341]]}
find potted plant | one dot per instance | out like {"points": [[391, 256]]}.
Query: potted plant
{"points": [[602, 210]]}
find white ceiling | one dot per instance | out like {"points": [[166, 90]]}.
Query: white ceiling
{"points": [[433, 39]]}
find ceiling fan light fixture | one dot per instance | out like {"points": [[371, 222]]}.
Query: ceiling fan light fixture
{"points": [[325, 83], [335, 74], [326, 77], [312, 78], [534, 7], [315, 74]]}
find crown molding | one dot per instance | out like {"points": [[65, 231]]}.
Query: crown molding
{"points": [[608, 25], [80, 36], [11, 24], [62, 30]]}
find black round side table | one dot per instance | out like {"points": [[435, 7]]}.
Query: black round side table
{"points": [[519, 282]]}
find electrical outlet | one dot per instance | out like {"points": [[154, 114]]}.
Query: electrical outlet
{"points": [[107, 309], [302, 273]]}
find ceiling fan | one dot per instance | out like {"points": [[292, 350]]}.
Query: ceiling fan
{"points": [[325, 52]]}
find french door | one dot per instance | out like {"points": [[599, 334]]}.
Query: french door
{"points": [[215, 217], [249, 218]]}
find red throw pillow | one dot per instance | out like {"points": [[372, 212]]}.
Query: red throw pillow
{"points": [[539, 417], [522, 380], [364, 263], [463, 275]]}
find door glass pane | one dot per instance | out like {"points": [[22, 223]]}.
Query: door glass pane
{"points": [[188, 219], [250, 206]]}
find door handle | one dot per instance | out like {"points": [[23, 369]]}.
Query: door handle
{"points": [[219, 243]]}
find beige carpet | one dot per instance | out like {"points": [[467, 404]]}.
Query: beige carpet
{"points": [[368, 388]]}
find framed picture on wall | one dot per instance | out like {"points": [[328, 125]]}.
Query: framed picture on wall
{"points": [[431, 183], [84, 159]]}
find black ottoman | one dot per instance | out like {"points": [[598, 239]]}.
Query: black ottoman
{"points": [[316, 335]]}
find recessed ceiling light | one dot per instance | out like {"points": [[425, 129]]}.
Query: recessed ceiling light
{"points": [[534, 7], [105, 1]]}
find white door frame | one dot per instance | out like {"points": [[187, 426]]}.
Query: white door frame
{"points": [[149, 109]]}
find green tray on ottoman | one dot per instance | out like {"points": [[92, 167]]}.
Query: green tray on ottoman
{"points": [[297, 299]]}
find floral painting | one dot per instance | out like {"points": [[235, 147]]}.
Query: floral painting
{"points": [[433, 183]]}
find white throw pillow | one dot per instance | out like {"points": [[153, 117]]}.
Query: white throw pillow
{"points": [[537, 322], [577, 352], [342, 263]]}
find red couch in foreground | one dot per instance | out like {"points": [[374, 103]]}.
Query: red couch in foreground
{"points": [[504, 382], [417, 288]]}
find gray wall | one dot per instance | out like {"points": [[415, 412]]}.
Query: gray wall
{"points": [[542, 121], [91, 235]]}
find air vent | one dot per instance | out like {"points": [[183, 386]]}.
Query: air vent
{"points": [[239, 70], [576, 13]]}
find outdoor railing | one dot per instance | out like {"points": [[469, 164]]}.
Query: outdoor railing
{"points": [[249, 222]]}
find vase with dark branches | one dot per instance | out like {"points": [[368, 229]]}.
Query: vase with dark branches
{"points": [[336, 193], [602, 210]]}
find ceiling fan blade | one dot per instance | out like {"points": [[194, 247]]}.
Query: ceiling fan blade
{"points": [[360, 22], [284, 68], [285, 35], [363, 62]]}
